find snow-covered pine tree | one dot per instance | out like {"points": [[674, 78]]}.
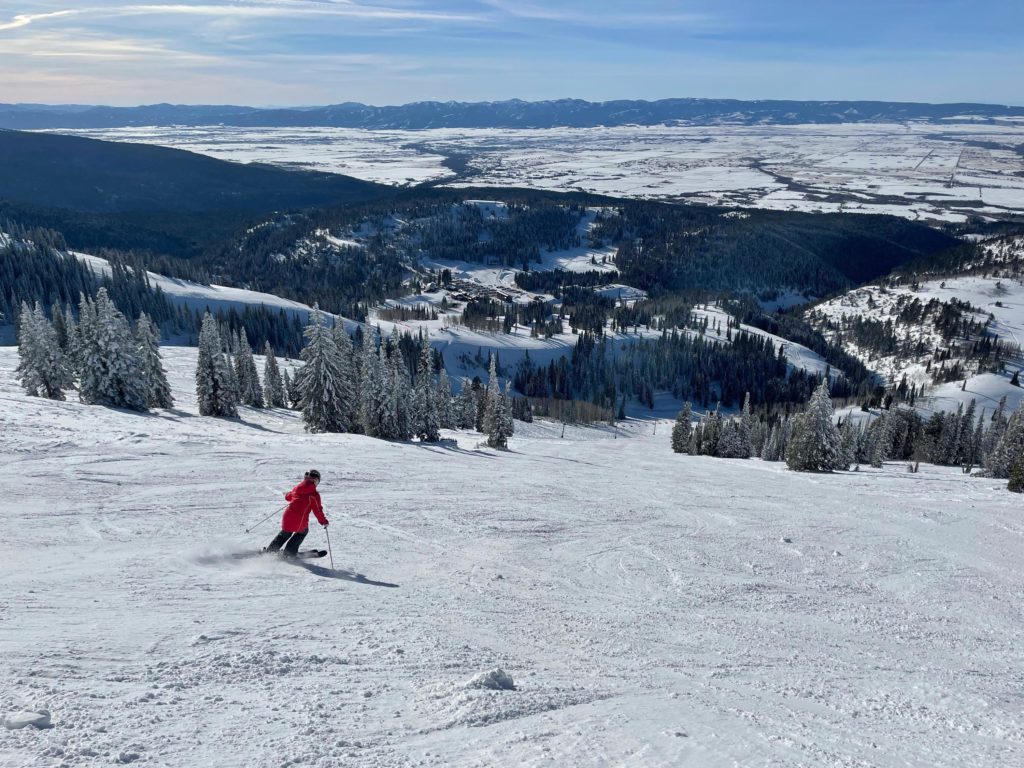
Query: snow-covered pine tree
{"points": [[292, 389], [465, 408], [772, 450], [384, 397], [41, 367], [848, 441], [400, 393], [1009, 451], [369, 387], [249, 390], [995, 430], [978, 440], [711, 432], [286, 382], [506, 424], [60, 327], [445, 406], [348, 370], [493, 416], [231, 368], [881, 440], [425, 417], [158, 391], [319, 381], [273, 385], [965, 448], [1016, 480], [112, 371], [814, 443], [28, 352], [696, 439], [748, 428], [71, 347], [949, 441], [731, 442], [213, 391], [683, 428]]}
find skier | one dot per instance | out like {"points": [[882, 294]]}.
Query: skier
{"points": [[302, 499]]}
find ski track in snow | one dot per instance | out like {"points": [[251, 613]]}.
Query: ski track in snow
{"points": [[644, 603]]}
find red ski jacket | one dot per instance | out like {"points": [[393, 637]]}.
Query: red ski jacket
{"points": [[303, 499]]}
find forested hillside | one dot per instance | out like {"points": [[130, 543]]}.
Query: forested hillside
{"points": [[99, 177]]}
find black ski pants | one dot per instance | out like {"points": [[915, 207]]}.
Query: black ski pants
{"points": [[293, 541]]}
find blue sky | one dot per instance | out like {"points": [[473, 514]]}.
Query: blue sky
{"points": [[295, 52]]}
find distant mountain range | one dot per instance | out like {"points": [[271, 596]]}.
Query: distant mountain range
{"points": [[499, 114]]}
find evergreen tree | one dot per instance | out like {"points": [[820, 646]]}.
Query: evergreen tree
{"points": [[814, 444], [319, 381], [683, 429], [230, 368], [731, 442], [348, 370], [1010, 448], [273, 385], [399, 394], [506, 424], [881, 445], [1016, 484], [465, 408], [425, 416], [748, 428], [158, 391], [445, 406], [848, 440], [965, 454], [978, 440], [213, 390], [249, 390], [711, 432], [370, 393], [112, 369], [773, 450], [995, 431], [72, 344], [28, 352], [41, 367], [290, 390], [493, 423]]}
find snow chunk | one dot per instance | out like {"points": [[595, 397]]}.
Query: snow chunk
{"points": [[495, 679], [39, 718]]}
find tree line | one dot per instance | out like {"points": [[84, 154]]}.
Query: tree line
{"points": [[812, 440]]}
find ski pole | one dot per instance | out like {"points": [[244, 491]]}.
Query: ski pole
{"points": [[329, 552], [278, 512]]}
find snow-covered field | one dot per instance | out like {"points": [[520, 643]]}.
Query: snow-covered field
{"points": [[917, 170], [651, 609]]}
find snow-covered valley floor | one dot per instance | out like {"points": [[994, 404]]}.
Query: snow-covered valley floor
{"points": [[652, 609]]}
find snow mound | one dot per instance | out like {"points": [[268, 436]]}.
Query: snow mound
{"points": [[495, 679], [39, 718], [482, 701]]}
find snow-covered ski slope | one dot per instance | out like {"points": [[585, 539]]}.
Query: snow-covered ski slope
{"points": [[652, 609]]}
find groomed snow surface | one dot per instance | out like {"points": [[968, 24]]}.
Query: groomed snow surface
{"points": [[585, 601]]}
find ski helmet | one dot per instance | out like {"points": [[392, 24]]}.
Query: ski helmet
{"points": [[313, 474]]}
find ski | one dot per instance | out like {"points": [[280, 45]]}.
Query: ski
{"points": [[306, 554]]}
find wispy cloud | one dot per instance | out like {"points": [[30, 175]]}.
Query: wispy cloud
{"points": [[24, 19], [590, 16]]}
